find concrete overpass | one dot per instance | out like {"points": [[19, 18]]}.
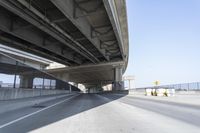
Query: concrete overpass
{"points": [[90, 37], [23, 57]]}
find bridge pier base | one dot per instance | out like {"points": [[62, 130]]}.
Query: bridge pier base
{"points": [[26, 82], [118, 84], [60, 85]]}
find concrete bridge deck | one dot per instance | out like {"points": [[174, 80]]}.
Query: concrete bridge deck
{"points": [[72, 32]]}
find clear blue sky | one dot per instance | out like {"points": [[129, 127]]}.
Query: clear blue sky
{"points": [[164, 39]]}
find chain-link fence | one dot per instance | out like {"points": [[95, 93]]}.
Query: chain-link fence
{"points": [[183, 86]]}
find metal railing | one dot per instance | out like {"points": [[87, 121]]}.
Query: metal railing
{"points": [[182, 86]]}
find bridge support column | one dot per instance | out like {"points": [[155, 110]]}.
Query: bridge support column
{"points": [[60, 85], [26, 81], [118, 83], [70, 88]]}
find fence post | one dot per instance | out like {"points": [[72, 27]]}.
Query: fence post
{"points": [[15, 76]]}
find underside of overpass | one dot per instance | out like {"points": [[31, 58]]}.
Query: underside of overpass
{"points": [[90, 37]]}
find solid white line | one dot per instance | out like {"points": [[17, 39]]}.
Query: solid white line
{"points": [[21, 118]]}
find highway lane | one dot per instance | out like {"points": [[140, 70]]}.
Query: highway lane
{"points": [[89, 113]]}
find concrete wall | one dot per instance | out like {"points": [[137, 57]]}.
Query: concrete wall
{"points": [[137, 92], [187, 92], [10, 93], [123, 92]]}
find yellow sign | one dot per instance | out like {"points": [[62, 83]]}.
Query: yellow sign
{"points": [[156, 82]]}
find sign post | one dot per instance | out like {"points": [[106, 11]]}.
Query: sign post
{"points": [[129, 78]]}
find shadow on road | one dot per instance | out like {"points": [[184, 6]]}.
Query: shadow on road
{"points": [[81, 103], [179, 111]]}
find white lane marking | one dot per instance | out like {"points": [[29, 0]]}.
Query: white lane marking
{"points": [[23, 117]]}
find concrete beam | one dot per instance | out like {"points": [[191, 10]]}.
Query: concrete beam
{"points": [[78, 47], [89, 67], [68, 8], [116, 10], [40, 21], [88, 73], [20, 45], [112, 12], [59, 20], [33, 37]]}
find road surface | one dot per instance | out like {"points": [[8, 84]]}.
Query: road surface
{"points": [[106, 113]]}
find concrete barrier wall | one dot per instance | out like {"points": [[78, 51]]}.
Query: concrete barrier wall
{"points": [[187, 92], [10, 93], [124, 92], [137, 92]]}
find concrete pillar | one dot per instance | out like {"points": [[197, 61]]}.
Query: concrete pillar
{"points": [[26, 81], [118, 84], [70, 88], [59, 85], [118, 74]]}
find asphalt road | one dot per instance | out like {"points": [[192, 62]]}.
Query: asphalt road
{"points": [[92, 113]]}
